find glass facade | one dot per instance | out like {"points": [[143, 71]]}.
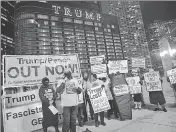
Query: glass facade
{"points": [[132, 30], [7, 29], [156, 31], [60, 29]]}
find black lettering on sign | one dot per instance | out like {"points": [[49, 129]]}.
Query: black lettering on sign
{"points": [[21, 99], [15, 115], [172, 78], [37, 121], [14, 72]]}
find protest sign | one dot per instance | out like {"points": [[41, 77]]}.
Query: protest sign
{"points": [[22, 98], [100, 70], [118, 65], [24, 118], [172, 76], [138, 62], [98, 99], [95, 60], [30, 69], [121, 89], [152, 81], [134, 85]]}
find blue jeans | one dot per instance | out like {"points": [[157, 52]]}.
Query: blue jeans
{"points": [[69, 118]]}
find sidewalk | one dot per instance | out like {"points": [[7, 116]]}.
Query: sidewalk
{"points": [[144, 120]]}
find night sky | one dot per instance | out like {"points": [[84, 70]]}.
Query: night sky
{"points": [[157, 10]]}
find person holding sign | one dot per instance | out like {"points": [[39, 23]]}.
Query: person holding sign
{"points": [[94, 83], [171, 77], [70, 89], [48, 96], [135, 83], [121, 95], [107, 84], [154, 87]]}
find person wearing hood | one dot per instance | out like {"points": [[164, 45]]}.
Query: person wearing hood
{"points": [[48, 97], [157, 97]]}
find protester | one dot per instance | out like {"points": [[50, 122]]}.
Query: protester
{"points": [[96, 82], [69, 90], [123, 101], [141, 76], [157, 97], [173, 85], [115, 108], [48, 96], [109, 96], [137, 97], [81, 106], [86, 86]]}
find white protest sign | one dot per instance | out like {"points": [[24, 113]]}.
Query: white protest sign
{"points": [[134, 85], [152, 81], [100, 70], [94, 60], [98, 99], [121, 89], [172, 76], [24, 118], [138, 62], [23, 98], [118, 65], [30, 69]]}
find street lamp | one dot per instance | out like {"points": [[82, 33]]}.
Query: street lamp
{"points": [[170, 52]]}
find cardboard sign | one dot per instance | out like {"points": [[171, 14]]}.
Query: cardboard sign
{"points": [[134, 85], [23, 70], [98, 99], [95, 60], [120, 89], [152, 81], [138, 62], [119, 65], [100, 70], [172, 76]]}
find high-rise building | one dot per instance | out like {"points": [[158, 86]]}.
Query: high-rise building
{"points": [[156, 31], [55, 27], [7, 29], [132, 30]]}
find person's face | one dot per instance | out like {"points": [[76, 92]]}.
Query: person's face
{"points": [[46, 83], [85, 75], [68, 75]]}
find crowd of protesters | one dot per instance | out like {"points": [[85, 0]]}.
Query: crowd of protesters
{"points": [[70, 90], [120, 106]]}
